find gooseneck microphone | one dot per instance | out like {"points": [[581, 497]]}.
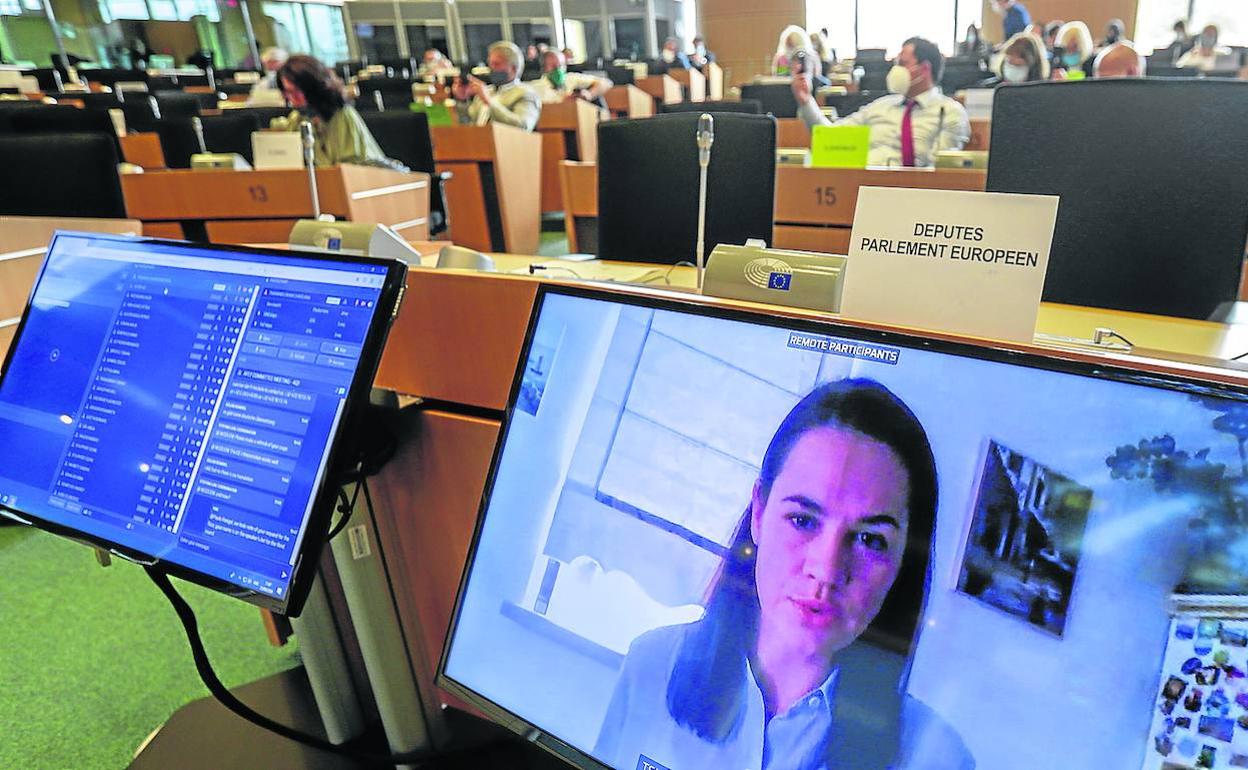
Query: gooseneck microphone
{"points": [[706, 138], [308, 135]]}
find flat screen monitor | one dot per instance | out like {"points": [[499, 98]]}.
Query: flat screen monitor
{"points": [[181, 404], [714, 539]]}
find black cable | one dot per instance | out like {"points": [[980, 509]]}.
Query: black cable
{"points": [[219, 691], [1129, 343], [346, 508]]}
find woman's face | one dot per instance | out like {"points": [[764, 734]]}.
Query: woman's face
{"points": [[830, 538], [294, 97], [1016, 59]]}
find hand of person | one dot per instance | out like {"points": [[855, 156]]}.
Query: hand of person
{"points": [[801, 88], [479, 89], [461, 90]]}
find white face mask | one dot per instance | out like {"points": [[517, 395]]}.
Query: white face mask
{"points": [[669, 56], [898, 80], [1015, 73]]}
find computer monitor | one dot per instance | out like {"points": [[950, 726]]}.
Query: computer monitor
{"points": [[719, 538], [183, 404]]}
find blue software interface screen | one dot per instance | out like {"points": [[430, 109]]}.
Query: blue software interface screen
{"points": [[716, 544], [180, 401]]}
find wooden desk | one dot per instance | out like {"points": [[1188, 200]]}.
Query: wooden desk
{"points": [[815, 206], [792, 133], [569, 131], [578, 183], [629, 101], [262, 206], [495, 194], [143, 149], [981, 134], [457, 340], [692, 81], [663, 89], [714, 81]]}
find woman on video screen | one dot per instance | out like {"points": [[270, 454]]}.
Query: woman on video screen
{"points": [[837, 536]]}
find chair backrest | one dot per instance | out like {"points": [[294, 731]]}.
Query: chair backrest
{"points": [[262, 114], [1153, 213], [93, 101], [962, 73], [177, 104], [396, 93], [64, 119], [71, 175], [110, 77], [141, 112], [621, 76], [776, 98], [747, 106], [11, 107], [178, 141], [50, 79], [403, 135], [648, 185], [847, 104], [231, 132]]}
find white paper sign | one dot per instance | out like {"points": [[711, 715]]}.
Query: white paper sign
{"points": [[945, 260]]}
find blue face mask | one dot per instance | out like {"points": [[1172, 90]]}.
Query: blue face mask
{"points": [[1070, 59], [497, 78]]}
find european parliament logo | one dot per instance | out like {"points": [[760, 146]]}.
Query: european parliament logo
{"points": [[769, 273]]}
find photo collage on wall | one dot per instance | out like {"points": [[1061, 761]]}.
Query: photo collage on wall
{"points": [[1201, 715]]}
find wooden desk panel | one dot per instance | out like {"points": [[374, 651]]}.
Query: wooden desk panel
{"points": [[792, 132], [468, 224], [663, 89], [458, 340], [17, 276], [981, 134], [826, 240], [828, 196], [427, 499], [691, 79], [714, 81], [515, 156], [240, 231], [143, 149], [6, 338], [572, 122], [19, 233], [578, 184], [164, 199], [629, 101]]}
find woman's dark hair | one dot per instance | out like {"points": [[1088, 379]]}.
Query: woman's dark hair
{"points": [[320, 86], [703, 693]]}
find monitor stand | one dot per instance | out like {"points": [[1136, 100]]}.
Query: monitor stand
{"points": [[204, 735]]}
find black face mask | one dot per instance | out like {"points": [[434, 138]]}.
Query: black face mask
{"points": [[497, 78]]}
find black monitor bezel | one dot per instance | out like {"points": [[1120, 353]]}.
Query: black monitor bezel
{"points": [[1232, 382], [308, 555]]}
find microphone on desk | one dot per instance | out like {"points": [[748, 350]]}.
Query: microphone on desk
{"points": [[308, 136], [706, 138], [198, 126]]}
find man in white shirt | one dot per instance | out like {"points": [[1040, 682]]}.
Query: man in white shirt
{"points": [[1207, 55], [557, 84], [910, 124], [504, 99]]}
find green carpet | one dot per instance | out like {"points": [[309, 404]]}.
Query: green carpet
{"points": [[92, 659]]}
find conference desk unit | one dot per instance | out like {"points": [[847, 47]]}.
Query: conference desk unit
{"points": [[692, 83], [456, 343], [981, 134], [814, 208], [262, 206], [714, 81], [494, 195], [629, 101], [792, 133], [143, 149], [569, 131]]}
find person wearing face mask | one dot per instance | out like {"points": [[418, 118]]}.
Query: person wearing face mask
{"points": [[557, 84], [1115, 32], [1024, 60], [1207, 51], [504, 99], [1119, 60], [913, 122], [1072, 56], [701, 56], [1014, 16], [793, 40], [672, 56]]}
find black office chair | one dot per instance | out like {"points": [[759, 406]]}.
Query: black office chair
{"points": [[235, 89], [178, 141], [747, 106], [162, 83], [262, 114], [141, 112], [847, 104], [404, 135], [874, 74], [95, 101], [1165, 71], [231, 132], [621, 76], [50, 79], [67, 175], [111, 77], [1153, 214], [396, 93], [776, 98], [962, 72], [648, 185], [179, 104], [64, 119], [9, 108]]}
